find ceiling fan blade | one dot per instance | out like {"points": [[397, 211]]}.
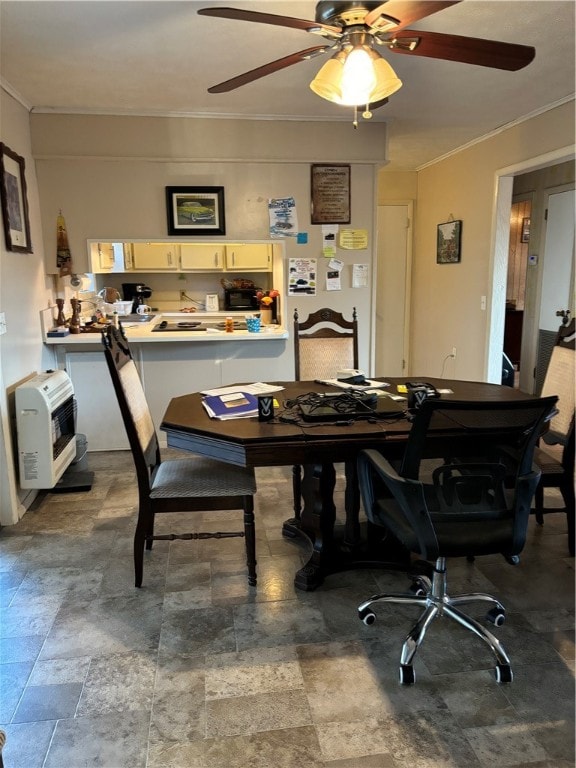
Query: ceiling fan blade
{"points": [[469, 50], [271, 18], [267, 69], [405, 12]]}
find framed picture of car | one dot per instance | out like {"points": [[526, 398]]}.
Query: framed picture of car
{"points": [[195, 211]]}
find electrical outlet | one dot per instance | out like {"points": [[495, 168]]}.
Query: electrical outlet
{"points": [[2, 323], [454, 353]]}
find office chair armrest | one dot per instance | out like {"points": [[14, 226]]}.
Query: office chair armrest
{"points": [[408, 495]]}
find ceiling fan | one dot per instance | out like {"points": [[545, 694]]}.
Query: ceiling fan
{"points": [[356, 74]]}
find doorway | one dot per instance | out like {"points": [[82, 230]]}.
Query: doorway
{"points": [[505, 179], [393, 270], [516, 282]]}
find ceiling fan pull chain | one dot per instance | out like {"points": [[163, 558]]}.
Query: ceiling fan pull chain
{"points": [[355, 123]]}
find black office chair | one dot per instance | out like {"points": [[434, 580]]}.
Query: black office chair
{"points": [[324, 343], [462, 508], [555, 453], [193, 484]]}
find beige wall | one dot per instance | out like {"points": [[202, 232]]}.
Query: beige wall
{"points": [[397, 186], [24, 291], [446, 310]]}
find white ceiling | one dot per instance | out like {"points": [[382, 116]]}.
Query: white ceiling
{"points": [[149, 57]]}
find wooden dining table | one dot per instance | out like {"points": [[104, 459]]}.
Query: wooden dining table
{"points": [[287, 441]]}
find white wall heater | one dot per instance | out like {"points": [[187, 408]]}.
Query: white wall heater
{"points": [[46, 428]]}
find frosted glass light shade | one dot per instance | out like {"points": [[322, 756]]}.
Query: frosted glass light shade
{"points": [[327, 82], [355, 78]]}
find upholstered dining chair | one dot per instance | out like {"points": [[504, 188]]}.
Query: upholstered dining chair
{"points": [[191, 484], [324, 343], [555, 453], [458, 506]]}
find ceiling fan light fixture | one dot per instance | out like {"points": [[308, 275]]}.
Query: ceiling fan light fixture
{"points": [[356, 76], [387, 81], [327, 82]]}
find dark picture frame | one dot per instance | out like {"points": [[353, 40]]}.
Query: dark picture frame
{"points": [[195, 211], [448, 242], [330, 193], [13, 192]]}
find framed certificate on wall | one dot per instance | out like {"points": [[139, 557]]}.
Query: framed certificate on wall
{"points": [[330, 194]]}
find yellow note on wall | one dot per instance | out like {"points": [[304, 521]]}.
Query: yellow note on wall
{"points": [[353, 239]]}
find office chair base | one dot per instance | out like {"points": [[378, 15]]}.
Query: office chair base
{"points": [[433, 598]]}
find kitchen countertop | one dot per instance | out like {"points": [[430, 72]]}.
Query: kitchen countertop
{"points": [[142, 332]]}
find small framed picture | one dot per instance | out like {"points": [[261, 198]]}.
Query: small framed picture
{"points": [[448, 241], [195, 210], [14, 201]]}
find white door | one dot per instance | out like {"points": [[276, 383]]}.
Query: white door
{"points": [[558, 256], [392, 289], [557, 287]]}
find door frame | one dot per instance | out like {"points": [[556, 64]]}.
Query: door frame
{"points": [[498, 269]]}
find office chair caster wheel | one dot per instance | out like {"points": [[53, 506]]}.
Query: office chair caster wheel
{"points": [[417, 588], [504, 673], [496, 616], [407, 674], [367, 616]]}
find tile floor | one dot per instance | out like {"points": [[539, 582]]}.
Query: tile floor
{"points": [[197, 670]]}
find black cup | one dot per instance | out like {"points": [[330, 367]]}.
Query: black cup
{"points": [[265, 408]]}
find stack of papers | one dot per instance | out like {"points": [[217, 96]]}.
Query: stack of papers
{"points": [[259, 388], [234, 405], [366, 384]]}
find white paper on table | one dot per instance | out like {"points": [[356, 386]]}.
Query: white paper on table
{"points": [[367, 384], [259, 388]]}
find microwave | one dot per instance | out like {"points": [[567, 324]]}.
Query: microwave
{"points": [[240, 299]]}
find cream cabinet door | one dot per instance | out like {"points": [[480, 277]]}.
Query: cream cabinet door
{"points": [[201, 257], [249, 256], [102, 257], [154, 256]]}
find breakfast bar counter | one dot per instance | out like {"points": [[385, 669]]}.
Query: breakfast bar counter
{"points": [[170, 362], [174, 327]]}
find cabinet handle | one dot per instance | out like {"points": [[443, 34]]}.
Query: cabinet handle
{"points": [[216, 261], [233, 257], [169, 258]]}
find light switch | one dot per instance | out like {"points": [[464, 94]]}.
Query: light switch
{"points": [[2, 323], [483, 303]]}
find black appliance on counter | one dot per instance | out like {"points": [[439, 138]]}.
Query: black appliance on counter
{"points": [[240, 300], [137, 293]]}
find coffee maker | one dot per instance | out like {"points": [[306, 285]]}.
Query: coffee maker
{"points": [[137, 293]]}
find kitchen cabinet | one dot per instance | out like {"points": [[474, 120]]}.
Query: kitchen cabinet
{"points": [[158, 256], [202, 257], [102, 257], [106, 256], [143, 256], [248, 256]]}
